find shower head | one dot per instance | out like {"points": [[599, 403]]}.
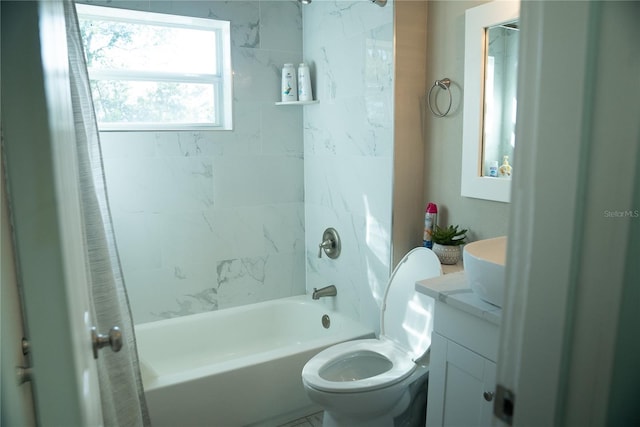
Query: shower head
{"points": [[304, 1]]}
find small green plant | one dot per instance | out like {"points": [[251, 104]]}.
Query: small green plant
{"points": [[449, 236]]}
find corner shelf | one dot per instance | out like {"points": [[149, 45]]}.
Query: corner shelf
{"points": [[298, 102]]}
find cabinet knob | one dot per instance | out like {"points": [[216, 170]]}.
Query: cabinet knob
{"points": [[488, 396]]}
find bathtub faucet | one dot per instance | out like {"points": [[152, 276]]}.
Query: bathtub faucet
{"points": [[328, 291]]}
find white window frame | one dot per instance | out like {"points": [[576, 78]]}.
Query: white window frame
{"points": [[221, 80]]}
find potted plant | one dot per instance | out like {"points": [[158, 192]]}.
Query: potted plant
{"points": [[447, 243]]}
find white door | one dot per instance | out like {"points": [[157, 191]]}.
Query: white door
{"points": [[39, 147], [573, 248], [17, 399]]}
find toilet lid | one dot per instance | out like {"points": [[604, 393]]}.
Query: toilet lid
{"points": [[407, 316]]}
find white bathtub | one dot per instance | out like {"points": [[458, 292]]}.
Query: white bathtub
{"points": [[236, 367]]}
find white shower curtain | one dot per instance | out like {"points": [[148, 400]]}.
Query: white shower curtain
{"points": [[122, 395]]}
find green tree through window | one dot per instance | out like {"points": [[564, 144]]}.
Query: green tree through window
{"points": [[156, 71]]}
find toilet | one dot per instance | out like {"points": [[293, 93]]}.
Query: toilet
{"points": [[383, 381]]}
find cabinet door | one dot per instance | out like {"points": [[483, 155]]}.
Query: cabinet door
{"points": [[458, 379]]}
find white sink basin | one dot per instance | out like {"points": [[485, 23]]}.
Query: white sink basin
{"points": [[484, 263]]}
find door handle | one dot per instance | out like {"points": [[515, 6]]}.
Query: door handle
{"points": [[113, 340], [24, 374]]}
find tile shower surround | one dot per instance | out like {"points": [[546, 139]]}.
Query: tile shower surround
{"points": [[348, 150], [209, 220]]}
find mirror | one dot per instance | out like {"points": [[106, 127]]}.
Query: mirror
{"points": [[490, 82], [500, 103]]}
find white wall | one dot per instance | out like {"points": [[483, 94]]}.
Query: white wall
{"points": [[443, 136], [209, 220], [348, 164]]}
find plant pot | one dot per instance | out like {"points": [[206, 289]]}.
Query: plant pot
{"points": [[448, 254]]}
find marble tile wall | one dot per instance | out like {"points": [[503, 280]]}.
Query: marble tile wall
{"points": [[208, 220], [348, 143]]}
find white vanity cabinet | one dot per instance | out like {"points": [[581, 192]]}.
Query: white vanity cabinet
{"points": [[464, 348], [462, 372]]}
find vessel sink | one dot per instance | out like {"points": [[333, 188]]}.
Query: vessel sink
{"points": [[484, 263]]}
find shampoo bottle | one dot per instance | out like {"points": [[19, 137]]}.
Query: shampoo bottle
{"points": [[304, 83], [430, 221], [289, 86]]}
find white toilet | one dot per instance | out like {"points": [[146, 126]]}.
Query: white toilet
{"points": [[381, 382]]}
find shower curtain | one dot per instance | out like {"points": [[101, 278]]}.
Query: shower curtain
{"points": [[122, 395]]}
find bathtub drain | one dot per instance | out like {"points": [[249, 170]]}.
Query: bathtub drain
{"points": [[326, 322]]}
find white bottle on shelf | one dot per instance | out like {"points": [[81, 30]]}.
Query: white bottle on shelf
{"points": [[304, 83], [289, 87], [493, 168]]}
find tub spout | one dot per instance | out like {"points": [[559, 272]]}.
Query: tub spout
{"points": [[328, 291]]}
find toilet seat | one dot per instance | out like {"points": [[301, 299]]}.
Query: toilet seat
{"points": [[406, 325], [400, 366]]}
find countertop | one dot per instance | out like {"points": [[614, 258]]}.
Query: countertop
{"points": [[452, 289]]}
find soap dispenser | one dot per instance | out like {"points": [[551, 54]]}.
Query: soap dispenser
{"points": [[505, 169]]}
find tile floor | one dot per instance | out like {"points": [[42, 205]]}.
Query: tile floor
{"points": [[313, 420]]}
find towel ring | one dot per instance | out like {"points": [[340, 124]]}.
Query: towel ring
{"points": [[444, 85]]}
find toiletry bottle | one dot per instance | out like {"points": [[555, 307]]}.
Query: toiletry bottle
{"points": [[493, 168], [430, 221], [505, 169], [289, 86], [304, 83]]}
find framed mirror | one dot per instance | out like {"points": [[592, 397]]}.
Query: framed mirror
{"points": [[490, 82]]}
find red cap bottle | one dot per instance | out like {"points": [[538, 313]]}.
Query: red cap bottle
{"points": [[430, 221]]}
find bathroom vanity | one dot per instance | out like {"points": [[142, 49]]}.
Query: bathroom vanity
{"points": [[464, 351]]}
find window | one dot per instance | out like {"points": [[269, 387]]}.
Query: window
{"points": [[152, 71]]}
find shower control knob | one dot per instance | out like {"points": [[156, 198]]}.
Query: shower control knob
{"points": [[330, 245], [488, 396], [113, 340]]}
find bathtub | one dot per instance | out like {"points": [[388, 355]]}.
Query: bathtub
{"points": [[239, 366]]}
